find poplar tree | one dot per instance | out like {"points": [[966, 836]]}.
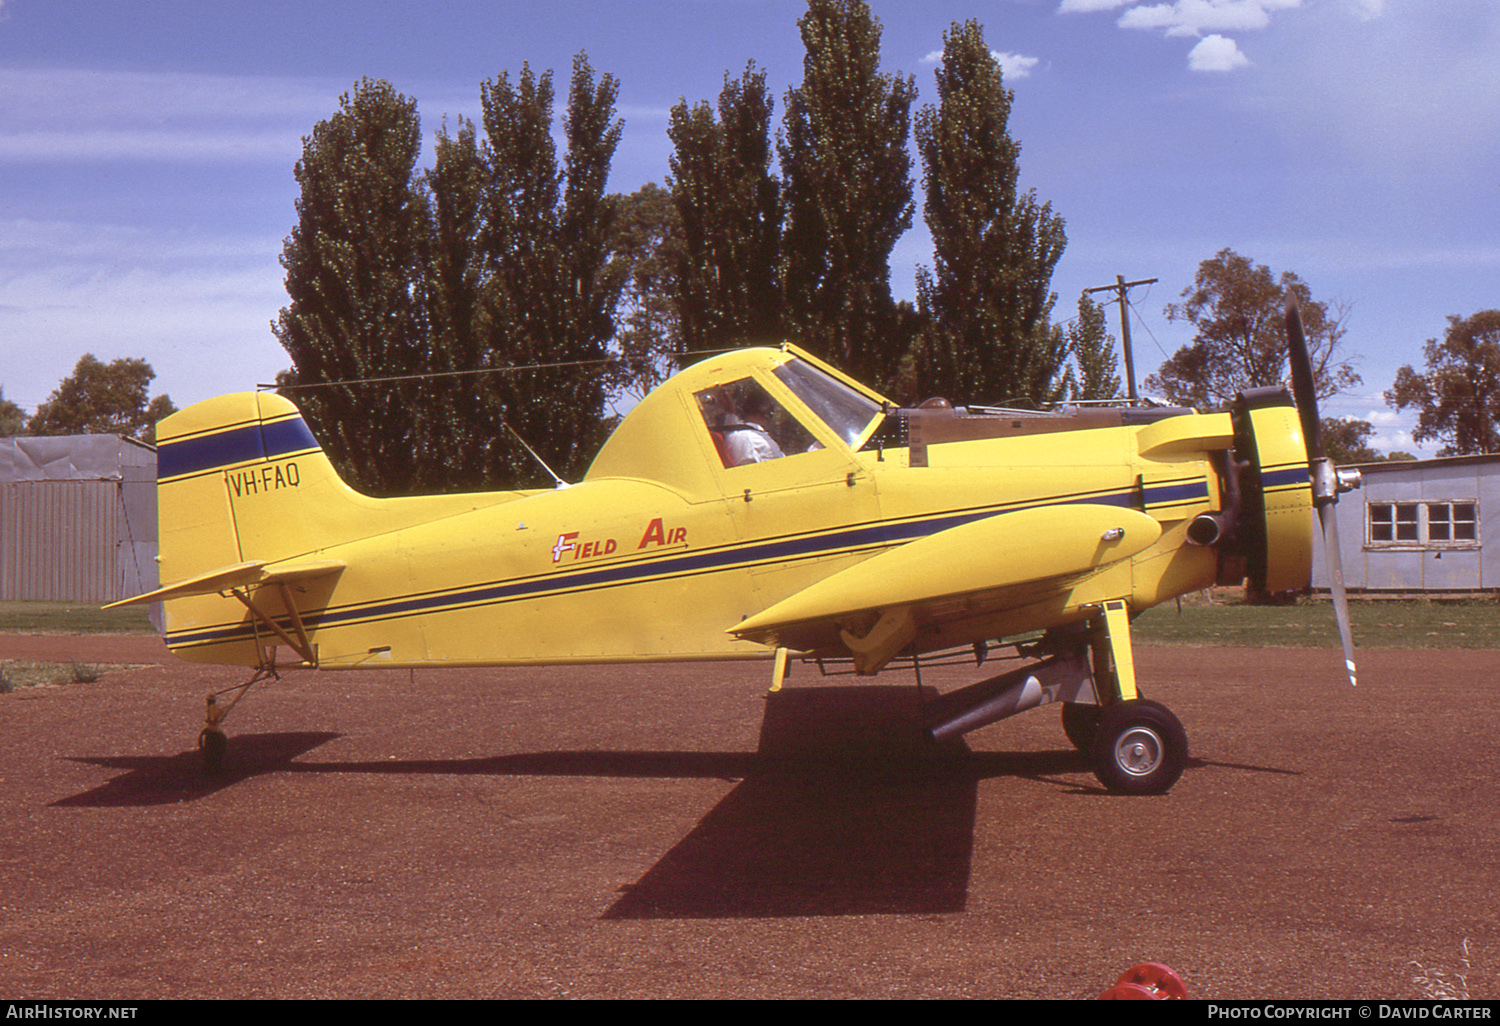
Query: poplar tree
{"points": [[353, 274], [987, 301], [545, 242], [729, 213], [1093, 350], [648, 247], [468, 450], [847, 187]]}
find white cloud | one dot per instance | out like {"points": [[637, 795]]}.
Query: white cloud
{"points": [[1216, 53], [38, 97], [83, 114], [1409, 95], [1204, 20], [1012, 65], [180, 300], [1196, 17], [104, 145]]}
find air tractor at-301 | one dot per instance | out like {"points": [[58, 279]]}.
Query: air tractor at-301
{"points": [[750, 508]]}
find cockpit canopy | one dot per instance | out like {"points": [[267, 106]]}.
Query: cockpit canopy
{"points": [[737, 408]]}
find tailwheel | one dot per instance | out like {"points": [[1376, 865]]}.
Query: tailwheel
{"points": [[213, 745], [1139, 747], [211, 739]]}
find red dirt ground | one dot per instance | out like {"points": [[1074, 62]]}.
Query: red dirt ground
{"points": [[671, 832]]}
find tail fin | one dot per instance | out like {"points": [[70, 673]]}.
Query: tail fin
{"points": [[239, 478], [247, 502]]}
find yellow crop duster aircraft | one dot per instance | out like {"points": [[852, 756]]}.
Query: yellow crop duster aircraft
{"points": [[747, 509]]}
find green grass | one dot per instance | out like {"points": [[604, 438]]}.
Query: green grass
{"points": [[16, 674], [1384, 623], [72, 618]]}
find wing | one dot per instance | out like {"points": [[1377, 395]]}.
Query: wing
{"points": [[1006, 560]]}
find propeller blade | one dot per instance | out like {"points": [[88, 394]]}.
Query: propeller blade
{"points": [[1324, 476], [1329, 518], [1304, 389]]}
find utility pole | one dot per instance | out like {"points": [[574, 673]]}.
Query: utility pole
{"points": [[1120, 287]]}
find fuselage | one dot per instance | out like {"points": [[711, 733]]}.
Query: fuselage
{"points": [[664, 548]]}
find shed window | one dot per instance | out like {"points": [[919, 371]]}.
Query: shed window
{"points": [[1450, 521], [1393, 522], [1423, 523]]}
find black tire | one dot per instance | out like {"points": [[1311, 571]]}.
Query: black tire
{"points": [[1140, 748], [1080, 722], [213, 745]]}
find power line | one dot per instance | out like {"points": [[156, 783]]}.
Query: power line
{"points": [[441, 374], [483, 370]]}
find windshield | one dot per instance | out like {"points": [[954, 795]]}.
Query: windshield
{"points": [[844, 410]]}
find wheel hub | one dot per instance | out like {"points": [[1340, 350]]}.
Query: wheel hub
{"points": [[1139, 751]]}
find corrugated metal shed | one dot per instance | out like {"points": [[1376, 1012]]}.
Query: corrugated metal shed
{"points": [[1419, 525], [77, 518]]}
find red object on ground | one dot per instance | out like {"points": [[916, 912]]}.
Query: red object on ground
{"points": [[1150, 981]]}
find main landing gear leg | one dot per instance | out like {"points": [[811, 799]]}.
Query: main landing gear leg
{"points": [[212, 741], [1137, 746]]}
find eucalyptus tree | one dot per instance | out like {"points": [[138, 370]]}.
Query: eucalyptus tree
{"points": [[98, 398], [1457, 397], [1238, 310]]}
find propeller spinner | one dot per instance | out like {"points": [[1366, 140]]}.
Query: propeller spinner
{"points": [[1326, 480]]}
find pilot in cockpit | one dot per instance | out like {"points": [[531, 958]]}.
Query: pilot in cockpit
{"points": [[747, 435], [740, 417]]}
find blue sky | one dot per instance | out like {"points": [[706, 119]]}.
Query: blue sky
{"points": [[146, 150]]}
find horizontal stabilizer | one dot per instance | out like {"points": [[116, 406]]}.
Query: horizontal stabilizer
{"points": [[237, 575], [999, 552]]}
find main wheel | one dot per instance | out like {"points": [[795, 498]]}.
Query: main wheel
{"points": [[1139, 748], [1080, 721]]}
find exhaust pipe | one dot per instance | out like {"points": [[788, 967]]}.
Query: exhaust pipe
{"points": [[1207, 528]]}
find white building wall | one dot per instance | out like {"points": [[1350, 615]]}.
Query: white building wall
{"points": [[1425, 489]]}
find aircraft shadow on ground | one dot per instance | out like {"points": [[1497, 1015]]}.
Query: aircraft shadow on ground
{"points": [[845, 807], [849, 810], [167, 779]]}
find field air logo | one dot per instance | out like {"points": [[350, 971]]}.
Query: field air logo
{"points": [[582, 550], [658, 535]]}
